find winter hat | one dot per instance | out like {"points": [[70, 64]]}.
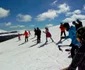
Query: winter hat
{"points": [[81, 33], [73, 22], [66, 25], [46, 28], [78, 20]]}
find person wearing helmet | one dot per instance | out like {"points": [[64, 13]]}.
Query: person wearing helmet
{"points": [[72, 35], [79, 59]]}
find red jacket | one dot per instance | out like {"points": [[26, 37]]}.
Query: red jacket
{"points": [[26, 34], [62, 28]]}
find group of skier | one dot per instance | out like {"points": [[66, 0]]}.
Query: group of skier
{"points": [[26, 34], [77, 36], [38, 34]]}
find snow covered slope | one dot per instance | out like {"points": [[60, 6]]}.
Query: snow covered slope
{"points": [[2, 30], [17, 55]]}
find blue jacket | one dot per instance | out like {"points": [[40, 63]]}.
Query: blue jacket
{"points": [[72, 35]]}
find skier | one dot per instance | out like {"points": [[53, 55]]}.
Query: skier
{"points": [[26, 36], [29, 33], [38, 35], [35, 32], [79, 58], [72, 34], [62, 31], [48, 34], [77, 25], [19, 38]]}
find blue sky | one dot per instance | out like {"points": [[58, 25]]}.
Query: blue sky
{"points": [[27, 14]]}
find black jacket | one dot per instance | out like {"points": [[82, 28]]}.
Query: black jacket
{"points": [[78, 60]]}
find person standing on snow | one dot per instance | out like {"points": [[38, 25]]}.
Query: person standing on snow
{"points": [[19, 38], [35, 32], [77, 25], [72, 34], [48, 34], [29, 33], [26, 36], [38, 35], [79, 58], [62, 31]]}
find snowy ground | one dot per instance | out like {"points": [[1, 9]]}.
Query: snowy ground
{"points": [[17, 55]]}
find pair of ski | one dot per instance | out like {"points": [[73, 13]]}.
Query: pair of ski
{"points": [[59, 46]]}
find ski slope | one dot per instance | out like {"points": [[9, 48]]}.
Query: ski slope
{"points": [[17, 55]]}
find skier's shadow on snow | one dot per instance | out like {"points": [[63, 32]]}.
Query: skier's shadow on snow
{"points": [[59, 42], [34, 40], [22, 43], [43, 45], [33, 45]]}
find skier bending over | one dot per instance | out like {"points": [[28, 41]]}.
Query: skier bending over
{"points": [[72, 35]]}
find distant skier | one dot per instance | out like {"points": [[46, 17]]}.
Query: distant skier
{"points": [[48, 34], [35, 32], [72, 34], [19, 36], [26, 36], [79, 59], [62, 31], [29, 33], [38, 33]]}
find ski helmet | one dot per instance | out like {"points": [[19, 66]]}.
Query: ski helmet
{"points": [[66, 25], [81, 33], [73, 22]]}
